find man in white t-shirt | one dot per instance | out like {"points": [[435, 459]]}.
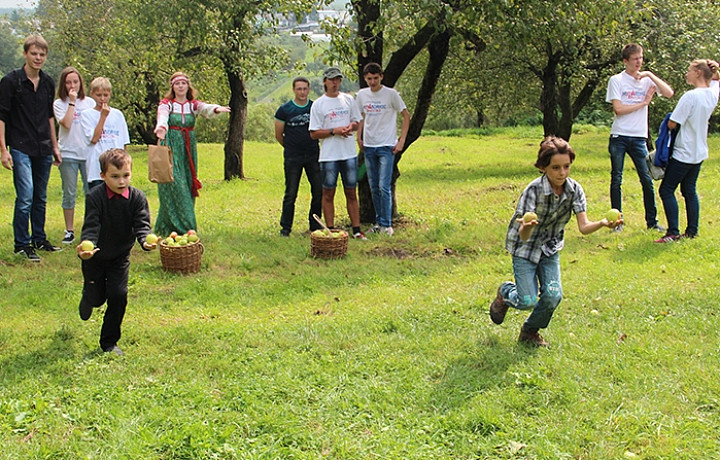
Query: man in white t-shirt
{"points": [[334, 118], [630, 93], [377, 138]]}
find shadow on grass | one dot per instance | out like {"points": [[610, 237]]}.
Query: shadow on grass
{"points": [[52, 358], [472, 374]]}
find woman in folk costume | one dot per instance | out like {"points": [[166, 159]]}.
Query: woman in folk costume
{"points": [[176, 116]]}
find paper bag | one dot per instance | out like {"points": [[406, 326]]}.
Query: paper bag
{"points": [[160, 164]]}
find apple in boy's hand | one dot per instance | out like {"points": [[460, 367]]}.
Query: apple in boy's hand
{"points": [[529, 217], [612, 215], [87, 246], [151, 239]]}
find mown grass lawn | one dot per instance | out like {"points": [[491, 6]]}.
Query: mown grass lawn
{"points": [[388, 353]]}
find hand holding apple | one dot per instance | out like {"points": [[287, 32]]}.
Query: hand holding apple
{"points": [[613, 218], [529, 219], [86, 249]]}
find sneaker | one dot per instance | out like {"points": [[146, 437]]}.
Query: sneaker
{"points": [[688, 236], [668, 238], [69, 237], [374, 229], [284, 232], [85, 310], [28, 253], [359, 236], [657, 227], [115, 349], [532, 338], [498, 307], [45, 245], [387, 230], [618, 229]]}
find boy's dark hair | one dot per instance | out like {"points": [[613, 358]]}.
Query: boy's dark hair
{"points": [[550, 146], [372, 67], [300, 79], [115, 157], [62, 89], [630, 49], [35, 40]]}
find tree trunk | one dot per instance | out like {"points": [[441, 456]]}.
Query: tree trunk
{"points": [[548, 95], [236, 128], [564, 128], [367, 13]]}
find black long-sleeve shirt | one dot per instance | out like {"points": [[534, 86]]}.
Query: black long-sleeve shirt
{"points": [[114, 224], [27, 112]]}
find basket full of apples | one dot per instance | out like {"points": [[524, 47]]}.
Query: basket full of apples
{"points": [[181, 253], [328, 244]]}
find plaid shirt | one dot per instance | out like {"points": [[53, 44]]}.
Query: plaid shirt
{"points": [[553, 212]]}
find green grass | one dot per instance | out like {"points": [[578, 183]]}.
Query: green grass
{"points": [[388, 353]]}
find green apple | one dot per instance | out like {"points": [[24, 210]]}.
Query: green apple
{"points": [[169, 241], [87, 245], [529, 216], [326, 232], [336, 234], [318, 233], [151, 238], [612, 215], [192, 237]]}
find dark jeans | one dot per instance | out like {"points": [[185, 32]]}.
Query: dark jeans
{"points": [[636, 147], [30, 177], [685, 175], [107, 280], [294, 165]]}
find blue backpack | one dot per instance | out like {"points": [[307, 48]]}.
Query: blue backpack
{"points": [[664, 143]]}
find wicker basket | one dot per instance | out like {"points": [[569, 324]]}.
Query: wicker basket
{"points": [[182, 259], [325, 247]]}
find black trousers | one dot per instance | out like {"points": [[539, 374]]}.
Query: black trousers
{"points": [[294, 166], [107, 281]]}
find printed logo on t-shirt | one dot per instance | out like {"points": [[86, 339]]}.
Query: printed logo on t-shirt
{"points": [[633, 95], [337, 114], [299, 120], [374, 107]]}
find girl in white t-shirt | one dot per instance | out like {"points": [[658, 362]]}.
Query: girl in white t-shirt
{"points": [[67, 107], [691, 116]]}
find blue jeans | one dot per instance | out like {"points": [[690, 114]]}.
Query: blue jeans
{"points": [[685, 175], [69, 169], [523, 295], [30, 176], [379, 162], [294, 165], [636, 147], [345, 168]]}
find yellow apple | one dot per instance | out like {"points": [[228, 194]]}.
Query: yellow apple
{"points": [[87, 245], [612, 215], [529, 216]]}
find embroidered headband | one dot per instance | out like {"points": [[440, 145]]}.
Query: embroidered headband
{"points": [[178, 78]]}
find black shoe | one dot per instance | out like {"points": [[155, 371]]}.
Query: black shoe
{"points": [[85, 310], [284, 232], [114, 349], [28, 253], [69, 237], [45, 245]]}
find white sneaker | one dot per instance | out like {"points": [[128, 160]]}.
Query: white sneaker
{"points": [[374, 229], [387, 230]]}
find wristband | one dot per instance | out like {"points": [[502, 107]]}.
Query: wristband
{"points": [[332, 133], [71, 103]]}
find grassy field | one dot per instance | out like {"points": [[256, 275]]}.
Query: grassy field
{"points": [[386, 354]]}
